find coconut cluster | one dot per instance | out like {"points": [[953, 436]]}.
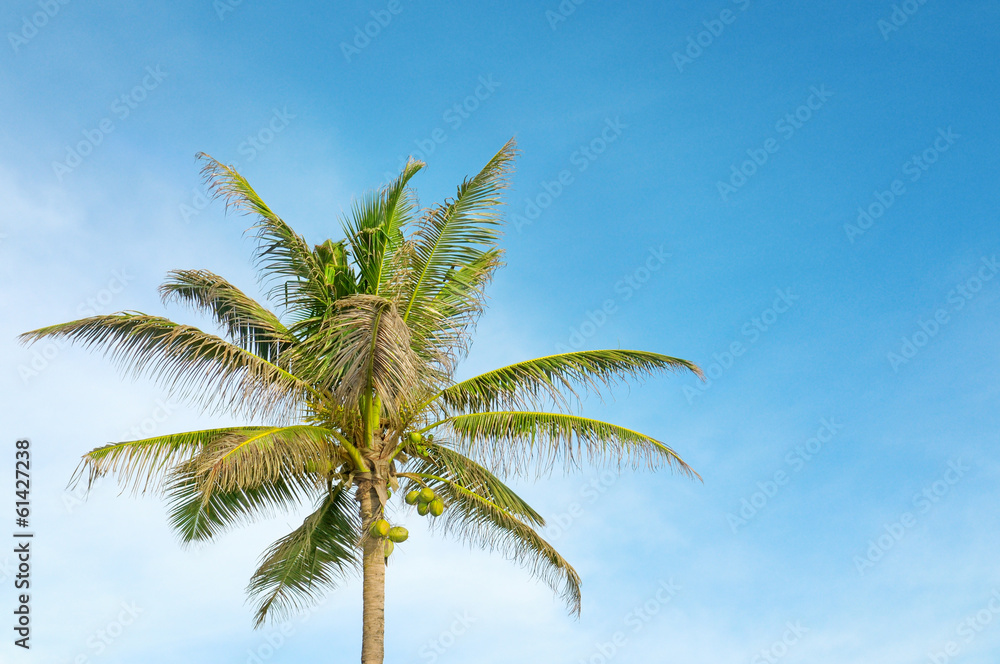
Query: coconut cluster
{"points": [[426, 501], [392, 535], [417, 440]]}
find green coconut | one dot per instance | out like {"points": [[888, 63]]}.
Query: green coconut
{"points": [[414, 438], [381, 528], [413, 497], [426, 495], [387, 548], [423, 508], [436, 506], [398, 534]]}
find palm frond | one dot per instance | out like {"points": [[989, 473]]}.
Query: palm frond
{"points": [[198, 515], [516, 441], [446, 464], [363, 349], [375, 229], [455, 307], [531, 383], [189, 363], [282, 254], [141, 465], [454, 236], [479, 521], [246, 323], [249, 459], [313, 558]]}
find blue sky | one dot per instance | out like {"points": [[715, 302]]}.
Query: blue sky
{"points": [[800, 198]]}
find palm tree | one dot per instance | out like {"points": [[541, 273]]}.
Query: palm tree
{"points": [[356, 380]]}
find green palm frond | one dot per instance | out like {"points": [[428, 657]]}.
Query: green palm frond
{"points": [[191, 364], [197, 515], [334, 262], [530, 383], [446, 464], [141, 465], [515, 441], [249, 459], [314, 557], [246, 323], [481, 522], [457, 305], [339, 281], [454, 236], [281, 253], [375, 229]]}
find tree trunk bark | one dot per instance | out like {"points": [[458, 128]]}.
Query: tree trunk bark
{"points": [[373, 587]]}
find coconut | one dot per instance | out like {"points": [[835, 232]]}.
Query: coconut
{"points": [[413, 497], [437, 507], [414, 438], [423, 508], [387, 548], [426, 495], [381, 528], [398, 534]]}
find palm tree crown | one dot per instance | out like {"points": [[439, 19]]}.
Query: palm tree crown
{"points": [[355, 377]]}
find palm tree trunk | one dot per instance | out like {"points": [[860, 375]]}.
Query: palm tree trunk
{"points": [[373, 586]]}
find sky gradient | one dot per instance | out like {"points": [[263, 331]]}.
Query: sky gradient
{"points": [[800, 198]]}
